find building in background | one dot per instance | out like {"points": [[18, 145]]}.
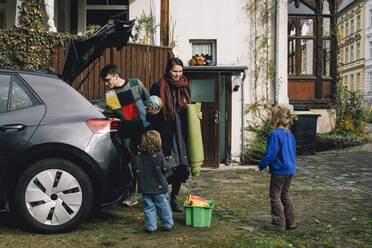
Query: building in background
{"points": [[368, 53], [301, 36], [352, 53]]}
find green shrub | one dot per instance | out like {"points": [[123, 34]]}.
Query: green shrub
{"points": [[28, 46], [256, 145], [349, 112]]}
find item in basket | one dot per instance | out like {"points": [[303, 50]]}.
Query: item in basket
{"points": [[196, 201]]}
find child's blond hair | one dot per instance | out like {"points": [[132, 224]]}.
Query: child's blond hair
{"points": [[151, 142], [282, 116]]}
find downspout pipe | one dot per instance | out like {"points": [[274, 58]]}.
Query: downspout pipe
{"points": [[242, 119]]}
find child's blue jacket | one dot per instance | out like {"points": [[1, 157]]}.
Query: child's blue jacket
{"points": [[280, 154]]}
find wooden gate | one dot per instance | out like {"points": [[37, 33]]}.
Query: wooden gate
{"points": [[144, 62]]}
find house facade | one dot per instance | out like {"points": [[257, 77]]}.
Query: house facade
{"points": [[368, 53], [252, 61], [353, 55]]}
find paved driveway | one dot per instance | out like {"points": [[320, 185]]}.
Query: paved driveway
{"points": [[351, 167]]}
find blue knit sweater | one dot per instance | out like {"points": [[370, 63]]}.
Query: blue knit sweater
{"points": [[280, 153]]}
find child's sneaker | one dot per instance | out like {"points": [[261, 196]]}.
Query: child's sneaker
{"points": [[271, 226], [291, 227], [130, 201]]}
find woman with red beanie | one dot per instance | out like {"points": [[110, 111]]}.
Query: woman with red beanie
{"points": [[174, 91]]}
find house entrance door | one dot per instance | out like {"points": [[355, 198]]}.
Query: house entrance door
{"points": [[205, 88]]}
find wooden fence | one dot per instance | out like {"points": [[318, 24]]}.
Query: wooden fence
{"points": [[144, 62]]}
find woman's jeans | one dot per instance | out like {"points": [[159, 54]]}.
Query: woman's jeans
{"points": [[282, 208], [154, 206]]}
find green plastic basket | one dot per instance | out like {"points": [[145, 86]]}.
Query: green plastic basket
{"points": [[198, 216]]}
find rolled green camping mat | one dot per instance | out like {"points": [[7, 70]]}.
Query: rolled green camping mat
{"points": [[195, 141]]}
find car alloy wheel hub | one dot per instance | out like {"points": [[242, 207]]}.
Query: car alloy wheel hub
{"points": [[53, 197]]}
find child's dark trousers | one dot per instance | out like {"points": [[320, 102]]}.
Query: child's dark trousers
{"points": [[282, 208]]}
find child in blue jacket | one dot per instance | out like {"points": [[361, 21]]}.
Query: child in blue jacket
{"points": [[280, 157], [151, 169]]}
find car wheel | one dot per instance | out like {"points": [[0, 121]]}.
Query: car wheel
{"points": [[53, 195]]}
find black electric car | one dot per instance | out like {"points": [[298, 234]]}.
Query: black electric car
{"points": [[57, 155]]}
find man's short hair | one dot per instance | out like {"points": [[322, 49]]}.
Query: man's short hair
{"points": [[109, 69]]}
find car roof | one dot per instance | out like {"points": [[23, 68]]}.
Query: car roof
{"points": [[44, 72]]}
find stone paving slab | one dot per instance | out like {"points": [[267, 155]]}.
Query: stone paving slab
{"points": [[349, 167]]}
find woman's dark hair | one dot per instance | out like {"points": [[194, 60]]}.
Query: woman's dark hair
{"points": [[172, 62], [151, 142]]}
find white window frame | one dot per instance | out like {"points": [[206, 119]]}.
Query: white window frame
{"points": [[213, 42]]}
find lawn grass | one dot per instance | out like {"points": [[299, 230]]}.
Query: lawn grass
{"points": [[327, 216]]}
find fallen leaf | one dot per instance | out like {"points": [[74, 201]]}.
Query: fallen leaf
{"points": [[316, 221], [179, 239]]}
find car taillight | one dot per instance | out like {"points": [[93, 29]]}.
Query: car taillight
{"points": [[103, 125]]}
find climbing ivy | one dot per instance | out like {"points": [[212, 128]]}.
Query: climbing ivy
{"points": [[261, 14], [29, 46]]}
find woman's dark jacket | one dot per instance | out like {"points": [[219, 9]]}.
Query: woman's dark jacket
{"points": [[150, 169], [167, 128]]}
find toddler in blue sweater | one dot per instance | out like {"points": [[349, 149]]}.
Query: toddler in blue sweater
{"points": [[280, 157]]}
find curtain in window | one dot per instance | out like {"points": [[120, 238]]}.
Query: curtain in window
{"points": [[199, 48]]}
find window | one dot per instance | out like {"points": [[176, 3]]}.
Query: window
{"points": [[21, 97], [301, 41], [352, 82], [358, 22], [357, 83], [358, 50], [326, 7], [2, 20], [345, 81], [326, 26], [291, 56], [352, 26], [370, 49], [370, 17], [351, 53], [326, 58], [346, 55], [3, 11], [98, 12], [207, 48], [347, 29]]}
